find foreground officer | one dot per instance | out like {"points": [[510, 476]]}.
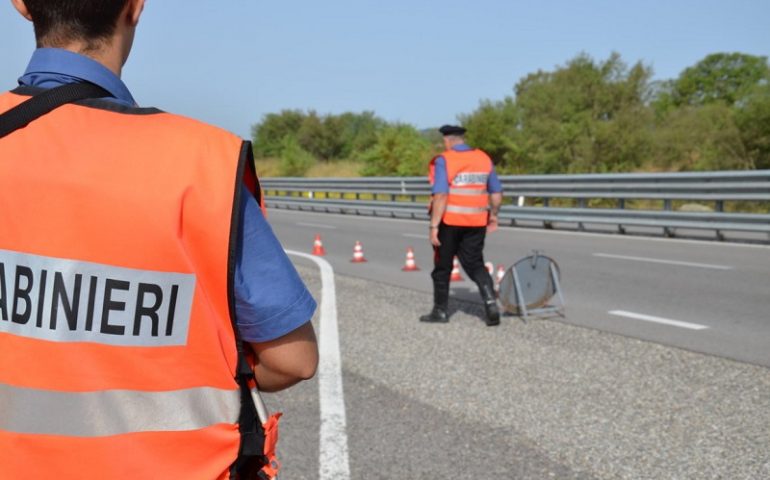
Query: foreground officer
{"points": [[142, 293], [466, 200]]}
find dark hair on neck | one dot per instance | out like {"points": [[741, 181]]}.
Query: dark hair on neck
{"points": [[58, 22]]}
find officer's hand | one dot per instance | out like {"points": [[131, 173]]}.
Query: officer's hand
{"points": [[492, 224], [434, 237]]}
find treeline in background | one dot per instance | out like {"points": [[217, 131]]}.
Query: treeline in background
{"points": [[587, 116]]}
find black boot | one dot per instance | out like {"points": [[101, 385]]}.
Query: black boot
{"points": [[440, 303], [437, 315], [490, 304]]}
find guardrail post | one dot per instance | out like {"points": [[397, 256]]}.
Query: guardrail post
{"points": [[581, 202], [720, 206], [667, 231], [546, 202], [621, 204]]}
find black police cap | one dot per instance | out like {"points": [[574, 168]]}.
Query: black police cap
{"points": [[451, 130]]}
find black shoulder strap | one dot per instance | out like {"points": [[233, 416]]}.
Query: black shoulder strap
{"points": [[42, 103]]}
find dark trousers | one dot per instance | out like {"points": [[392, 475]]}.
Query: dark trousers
{"points": [[467, 243]]}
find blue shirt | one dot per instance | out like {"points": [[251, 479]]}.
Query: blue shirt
{"points": [[441, 180], [270, 298]]}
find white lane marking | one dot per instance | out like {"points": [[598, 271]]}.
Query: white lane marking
{"points": [[316, 225], [664, 321], [668, 262], [333, 457], [538, 231], [631, 237], [415, 235]]}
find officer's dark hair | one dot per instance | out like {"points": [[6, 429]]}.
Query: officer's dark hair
{"points": [[58, 22]]}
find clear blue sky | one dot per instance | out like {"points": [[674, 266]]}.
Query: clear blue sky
{"points": [[419, 62]]}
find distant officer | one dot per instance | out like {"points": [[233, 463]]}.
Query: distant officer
{"points": [[142, 292], [466, 200]]}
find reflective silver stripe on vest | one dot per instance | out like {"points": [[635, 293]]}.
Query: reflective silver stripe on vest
{"points": [[468, 191], [114, 412], [465, 210], [470, 178]]}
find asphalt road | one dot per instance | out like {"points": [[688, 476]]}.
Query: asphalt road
{"points": [[702, 296], [542, 400]]}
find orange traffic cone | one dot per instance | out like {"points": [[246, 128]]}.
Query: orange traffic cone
{"points": [[410, 265], [500, 275], [456, 277], [358, 253], [318, 247]]}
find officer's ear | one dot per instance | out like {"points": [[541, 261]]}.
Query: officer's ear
{"points": [[134, 11], [22, 8]]}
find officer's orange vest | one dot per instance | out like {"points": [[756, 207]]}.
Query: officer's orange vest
{"points": [[117, 350], [468, 200]]}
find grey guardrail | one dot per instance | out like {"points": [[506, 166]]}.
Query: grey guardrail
{"points": [[407, 196]]}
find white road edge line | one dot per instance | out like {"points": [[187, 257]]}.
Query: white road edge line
{"points": [[664, 321], [316, 225], [333, 452], [415, 235], [667, 262]]}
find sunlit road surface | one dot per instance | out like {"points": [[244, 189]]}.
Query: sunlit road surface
{"points": [[545, 399], [648, 288]]}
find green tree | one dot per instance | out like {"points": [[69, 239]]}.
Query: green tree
{"points": [[584, 117], [495, 128], [331, 137], [327, 137], [295, 161], [269, 134], [700, 138], [753, 119], [311, 135], [719, 77], [715, 115], [400, 150], [359, 133]]}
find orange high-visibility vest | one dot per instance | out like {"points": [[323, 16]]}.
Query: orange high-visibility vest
{"points": [[117, 346], [468, 200]]}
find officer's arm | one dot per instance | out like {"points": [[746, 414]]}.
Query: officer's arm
{"points": [[438, 207], [495, 200], [286, 360]]}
